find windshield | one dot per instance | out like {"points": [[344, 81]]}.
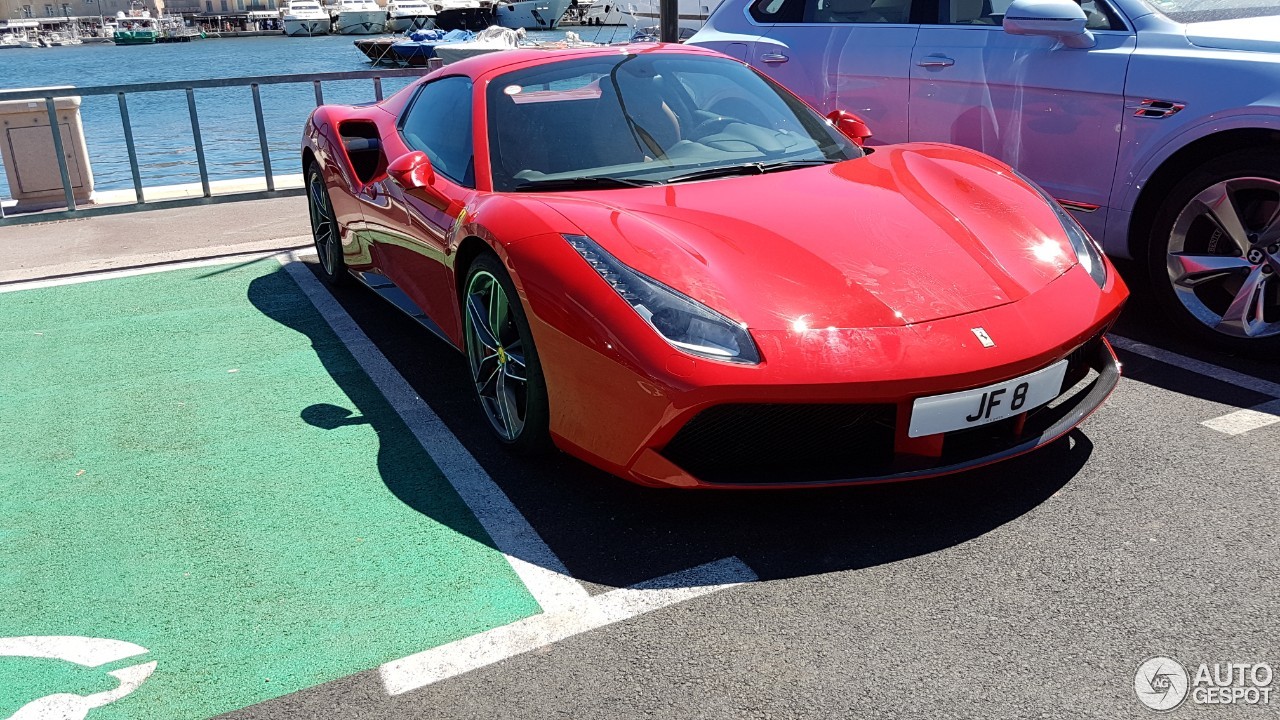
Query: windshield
{"points": [[647, 118], [1190, 11]]}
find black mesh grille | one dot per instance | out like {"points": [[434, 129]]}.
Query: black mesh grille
{"points": [[760, 443]]}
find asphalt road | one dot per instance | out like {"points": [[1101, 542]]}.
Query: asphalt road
{"points": [[1034, 588]]}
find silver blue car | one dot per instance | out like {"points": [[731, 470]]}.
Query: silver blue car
{"points": [[1157, 123]]}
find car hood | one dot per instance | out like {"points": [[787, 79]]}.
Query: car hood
{"points": [[910, 234], [1259, 34]]}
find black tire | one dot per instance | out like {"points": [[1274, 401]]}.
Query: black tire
{"points": [[521, 423], [333, 268], [1200, 304]]}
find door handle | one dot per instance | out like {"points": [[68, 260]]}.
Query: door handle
{"points": [[936, 61], [774, 58]]}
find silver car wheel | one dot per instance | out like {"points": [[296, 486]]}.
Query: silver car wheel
{"points": [[496, 354], [1224, 257], [322, 229]]}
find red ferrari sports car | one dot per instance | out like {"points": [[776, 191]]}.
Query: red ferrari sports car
{"points": [[672, 268]]}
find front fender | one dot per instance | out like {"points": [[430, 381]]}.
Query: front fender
{"points": [[1128, 187]]}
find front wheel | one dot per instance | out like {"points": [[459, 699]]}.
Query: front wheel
{"points": [[1214, 255], [505, 370]]}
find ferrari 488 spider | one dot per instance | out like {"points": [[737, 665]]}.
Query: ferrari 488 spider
{"points": [[670, 267]]}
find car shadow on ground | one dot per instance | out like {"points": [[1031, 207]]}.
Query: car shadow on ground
{"points": [[610, 533]]}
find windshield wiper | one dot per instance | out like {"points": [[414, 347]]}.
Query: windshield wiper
{"points": [[590, 182], [756, 168]]}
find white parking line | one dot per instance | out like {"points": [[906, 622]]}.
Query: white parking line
{"points": [[1237, 422], [410, 673], [567, 607], [1200, 367], [95, 275], [1242, 421], [542, 572]]}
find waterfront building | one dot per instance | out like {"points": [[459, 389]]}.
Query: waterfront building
{"points": [[65, 10]]}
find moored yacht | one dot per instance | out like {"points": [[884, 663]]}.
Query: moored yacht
{"points": [[531, 14], [602, 12], [304, 18], [463, 14], [360, 17], [638, 14], [405, 15]]}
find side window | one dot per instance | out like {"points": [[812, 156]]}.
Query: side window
{"points": [[1100, 16], [860, 11], [439, 124], [778, 11], [991, 12]]}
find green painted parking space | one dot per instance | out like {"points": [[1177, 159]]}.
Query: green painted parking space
{"points": [[194, 464]]}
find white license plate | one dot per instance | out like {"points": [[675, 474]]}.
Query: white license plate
{"points": [[971, 408]]}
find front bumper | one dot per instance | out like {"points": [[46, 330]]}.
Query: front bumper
{"points": [[873, 448], [623, 400]]}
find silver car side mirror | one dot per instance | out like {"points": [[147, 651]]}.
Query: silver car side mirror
{"points": [[1061, 19]]}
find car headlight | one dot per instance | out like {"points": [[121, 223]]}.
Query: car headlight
{"points": [[1088, 254], [682, 321]]}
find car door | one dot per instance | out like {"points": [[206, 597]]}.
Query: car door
{"points": [[413, 255], [1051, 111], [842, 54]]}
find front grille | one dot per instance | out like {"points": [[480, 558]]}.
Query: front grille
{"points": [[1081, 360], [765, 443]]}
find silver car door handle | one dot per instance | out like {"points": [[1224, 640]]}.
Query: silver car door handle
{"points": [[936, 61], [774, 58]]}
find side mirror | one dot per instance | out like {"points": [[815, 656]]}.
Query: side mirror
{"points": [[412, 171], [850, 125], [1061, 19]]}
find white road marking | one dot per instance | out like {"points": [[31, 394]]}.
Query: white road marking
{"points": [[1242, 421], [461, 656], [69, 706], [130, 272], [1199, 367], [541, 570], [567, 607], [86, 651], [1237, 422]]}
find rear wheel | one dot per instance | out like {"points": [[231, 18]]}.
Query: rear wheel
{"points": [[505, 370], [1214, 255], [324, 230]]}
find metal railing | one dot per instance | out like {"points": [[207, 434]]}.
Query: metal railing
{"points": [[50, 95]]}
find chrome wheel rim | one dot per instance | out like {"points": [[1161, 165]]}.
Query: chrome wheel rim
{"points": [[322, 229], [497, 355], [1224, 257]]}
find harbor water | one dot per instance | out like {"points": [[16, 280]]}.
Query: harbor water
{"points": [[161, 125]]}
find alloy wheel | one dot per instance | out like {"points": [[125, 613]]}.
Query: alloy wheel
{"points": [[1224, 257], [497, 357], [322, 229]]}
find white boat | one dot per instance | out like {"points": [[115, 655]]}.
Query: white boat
{"points": [[304, 18], [498, 39], [604, 12], [531, 14], [406, 15], [463, 14], [58, 39], [360, 17], [638, 14]]}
